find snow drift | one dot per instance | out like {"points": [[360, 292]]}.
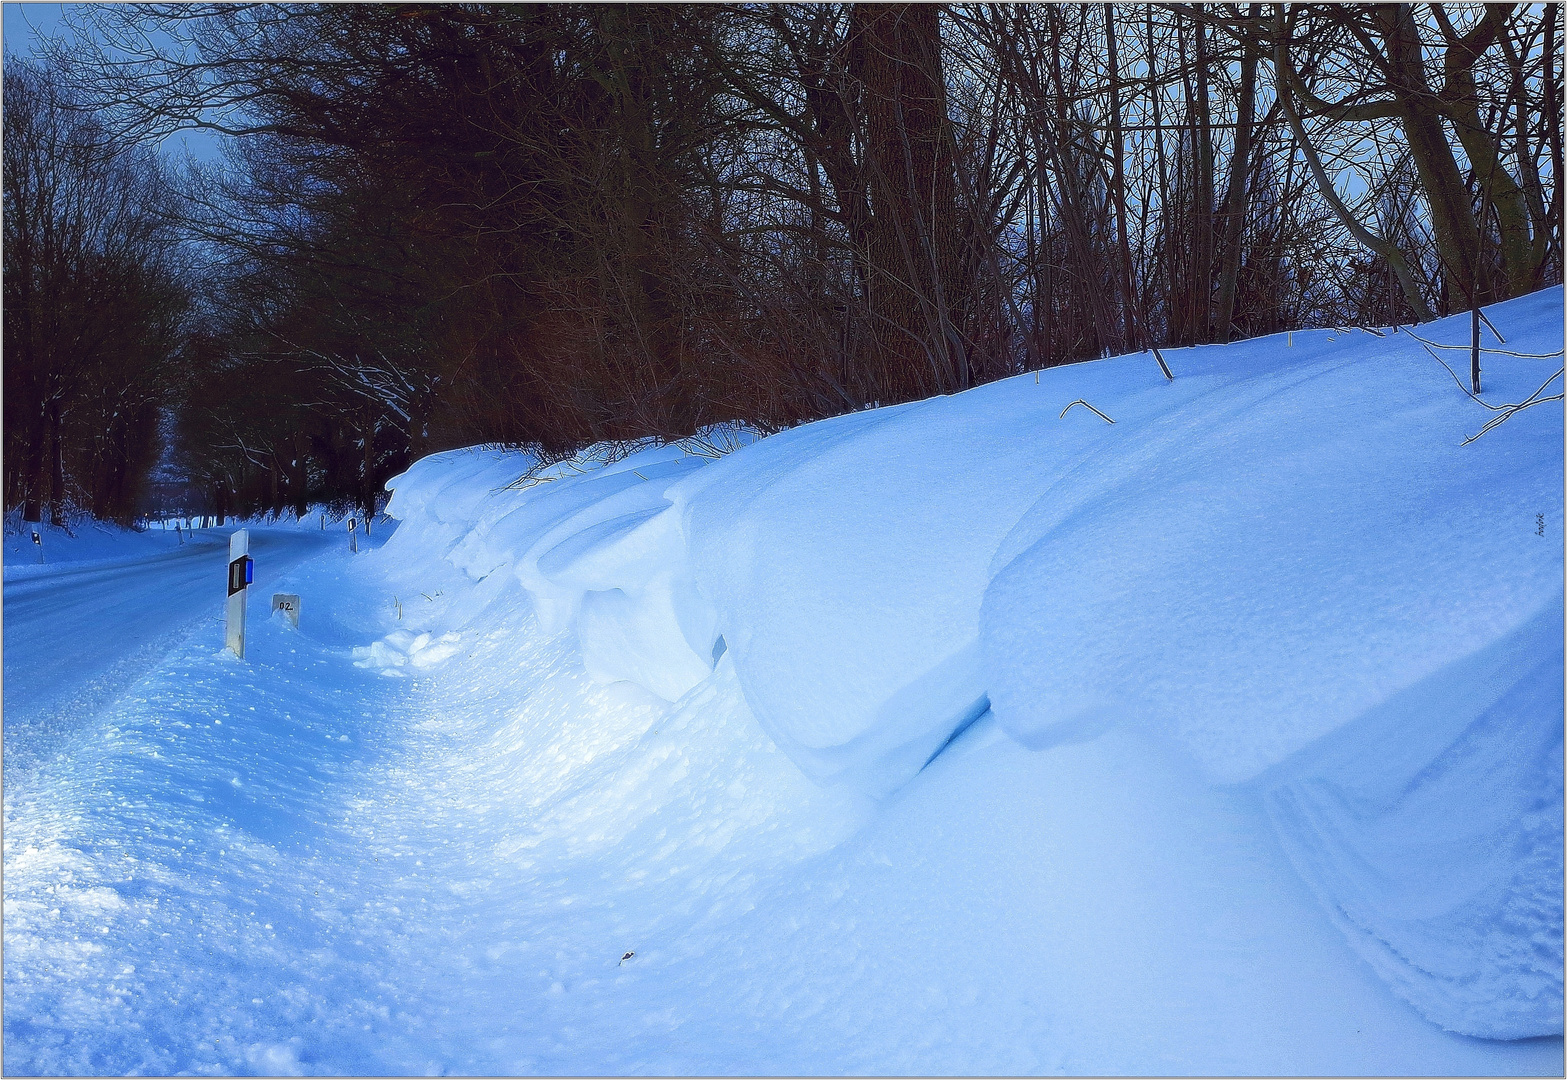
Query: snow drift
{"points": [[1283, 565]]}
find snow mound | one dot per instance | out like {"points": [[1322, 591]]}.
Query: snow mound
{"points": [[846, 561], [1432, 830], [1264, 558], [405, 648], [590, 538], [1292, 560], [453, 486], [439, 499], [1258, 566]]}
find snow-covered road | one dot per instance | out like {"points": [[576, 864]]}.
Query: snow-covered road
{"points": [[174, 852], [77, 635]]}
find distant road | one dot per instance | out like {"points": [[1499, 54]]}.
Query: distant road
{"points": [[76, 637]]}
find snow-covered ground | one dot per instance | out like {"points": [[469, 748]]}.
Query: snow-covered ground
{"points": [[960, 736], [90, 543], [101, 611]]}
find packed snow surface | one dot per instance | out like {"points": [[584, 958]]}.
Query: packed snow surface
{"points": [[99, 612], [958, 736]]}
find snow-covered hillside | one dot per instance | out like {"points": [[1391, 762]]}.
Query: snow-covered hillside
{"points": [[959, 736]]}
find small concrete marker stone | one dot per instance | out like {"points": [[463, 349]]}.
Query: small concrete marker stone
{"points": [[288, 604]]}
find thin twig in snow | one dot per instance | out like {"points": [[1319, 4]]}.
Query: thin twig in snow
{"points": [[1495, 352], [1085, 405], [1506, 412]]}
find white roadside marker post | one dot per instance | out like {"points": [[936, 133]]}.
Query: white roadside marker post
{"points": [[353, 540], [38, 542], [241, 573]]}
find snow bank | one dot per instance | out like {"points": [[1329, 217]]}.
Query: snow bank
{"points": [[1296, 558], [1262, 537], [1431, 828], [1268, 556], [1254, 566], [853, 626], [846, 561], [589, 541], [441, 498]]}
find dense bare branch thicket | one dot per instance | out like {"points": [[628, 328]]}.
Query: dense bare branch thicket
{"points": [[94, 306], [555, 224]]}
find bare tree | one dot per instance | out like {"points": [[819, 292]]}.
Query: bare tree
{"points": [[94, 304]]}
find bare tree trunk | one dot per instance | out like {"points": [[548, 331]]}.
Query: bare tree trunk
{"points": [[367, 476], [1030, 235], [34, 475], [913, 228], [56, 466], [1553, 134], [1118, 156], [1235, 191], [277, 488], [1047, 257], [1463, 109], [1070, 202], [1286, 76], [1540, 225], [1165, 216], [1457, 238], [298, 477], [1202, 253]]}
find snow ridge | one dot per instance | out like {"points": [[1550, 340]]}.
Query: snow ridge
{"points": [[1272, 565]]}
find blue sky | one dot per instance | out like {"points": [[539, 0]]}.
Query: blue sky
{"points": [[25, 23], [21, 20]]}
